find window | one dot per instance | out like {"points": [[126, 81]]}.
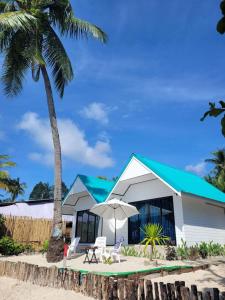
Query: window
{"points": [[87, 226], [158, 211]]}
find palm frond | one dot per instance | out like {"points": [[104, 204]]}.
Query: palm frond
{"points": [[56, 56], [78, 28], [15, 64], [17, 20]]}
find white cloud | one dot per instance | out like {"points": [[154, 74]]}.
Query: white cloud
{"points": [[74, 143], [97, 111], [199, 168]]}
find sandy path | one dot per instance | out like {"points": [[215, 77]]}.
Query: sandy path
{"points": [[214, 277], [12, 289]]}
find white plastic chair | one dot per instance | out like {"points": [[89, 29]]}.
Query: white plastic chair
{"points": [[115, 252], [100, 243], [73, 246]]}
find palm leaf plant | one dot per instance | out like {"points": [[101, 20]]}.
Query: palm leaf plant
{"points": [[30, 32], [153, 236], [4, 175], [15, 187]]}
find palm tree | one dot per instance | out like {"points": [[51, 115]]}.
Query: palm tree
{"points": [[218, 161], [15, 187], [153, 236], [28, 40], [4, 163]]}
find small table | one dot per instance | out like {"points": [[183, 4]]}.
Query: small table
{"points": [[93, 257]]}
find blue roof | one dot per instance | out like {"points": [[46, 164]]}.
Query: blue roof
{"points": [[183, 181], [98, 188]]}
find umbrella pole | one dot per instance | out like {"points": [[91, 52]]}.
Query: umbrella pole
{"points": [[115, 230], [101, 226]]}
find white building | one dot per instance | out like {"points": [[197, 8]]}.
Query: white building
{"points": [[187, 206], [36, 209]]}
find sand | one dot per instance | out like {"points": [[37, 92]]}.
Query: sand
{"points": [[12, 289], [127, 263], [214, 277]]}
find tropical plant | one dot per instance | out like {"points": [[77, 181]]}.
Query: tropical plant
{"points": [[215, 112], [43, 190], [4, 163], [183, 250], [217, 175], [45, 246], [203, 250], [29, 39], [153, 236], [130, 251], [171, 253], [15, 187], [9, 247]]}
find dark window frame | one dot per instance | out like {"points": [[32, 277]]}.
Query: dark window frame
{"points": [[137, 220], [86, 240]]}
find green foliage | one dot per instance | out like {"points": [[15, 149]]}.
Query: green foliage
{"points": [[108, 261], [171, 253], [153, 236], [43, 190], [15, 187], [213, 110], [4, 163], [9, 247], [28, 40], [217, 174], [2, 225], [182, 250], [45, 247], [221, 24], [131, 251], [203, 250], [193, 252]]}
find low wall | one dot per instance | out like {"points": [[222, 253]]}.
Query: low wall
{"points": [[99, 286]]}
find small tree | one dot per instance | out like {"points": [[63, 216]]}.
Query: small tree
{"points": [[153, 236]]}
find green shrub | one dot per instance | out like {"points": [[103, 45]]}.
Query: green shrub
{"points": [[45, 246], [130, 251], [29, 248], [203, 250], [9, 247], [182, 250], [171, 253], [193, 253]]}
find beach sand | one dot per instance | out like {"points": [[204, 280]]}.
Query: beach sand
{"points": [[12, 289]]}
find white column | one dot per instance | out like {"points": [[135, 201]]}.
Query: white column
{"points": [[73, 231], [178, 217]]}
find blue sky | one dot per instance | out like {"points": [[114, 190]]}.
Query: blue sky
{"points": [[144, 92]]}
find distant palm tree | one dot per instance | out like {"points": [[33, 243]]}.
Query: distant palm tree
{"points": [[218, 161], [15, 187], [4, 163], [217, 175], [28, 40]]}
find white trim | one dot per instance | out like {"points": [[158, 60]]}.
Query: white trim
{"points": [[148, 169]]}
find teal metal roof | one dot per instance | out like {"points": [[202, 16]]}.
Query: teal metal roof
{"points": [[183, 181], [98, 188]]}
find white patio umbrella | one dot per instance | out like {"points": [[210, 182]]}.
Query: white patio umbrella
{"points": [[116, 209]]}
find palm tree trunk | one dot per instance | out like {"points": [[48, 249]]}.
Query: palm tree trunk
{"points": [[55, 251]]}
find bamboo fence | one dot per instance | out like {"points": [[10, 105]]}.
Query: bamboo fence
{"points": [[30, 231]]}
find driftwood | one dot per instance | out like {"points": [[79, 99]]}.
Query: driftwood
{"points": [[103, 287]]}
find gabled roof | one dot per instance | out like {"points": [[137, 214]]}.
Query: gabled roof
{"points": [[182, 181], [98, 188]]}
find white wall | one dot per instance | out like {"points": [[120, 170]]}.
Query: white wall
{"points": [[138, 192], [203, 222]]}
